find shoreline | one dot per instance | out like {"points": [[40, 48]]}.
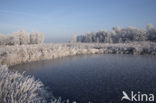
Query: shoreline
{"points": [[14, 55], [18, 54]]}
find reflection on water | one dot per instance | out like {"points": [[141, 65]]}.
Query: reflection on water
{"points": [[95, 78]]}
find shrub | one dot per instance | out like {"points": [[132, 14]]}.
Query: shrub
{"points": [[17, 88]]}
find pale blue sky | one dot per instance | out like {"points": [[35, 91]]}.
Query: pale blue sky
{"points": [[60, 19]]}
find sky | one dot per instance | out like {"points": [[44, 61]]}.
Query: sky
{"points": [[60, 19]]}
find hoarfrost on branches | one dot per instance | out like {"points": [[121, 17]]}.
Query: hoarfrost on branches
{"points": [[22, 38], [119, 35]]}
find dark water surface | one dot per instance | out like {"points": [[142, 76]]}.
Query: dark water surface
{"points": [[95, 78]]}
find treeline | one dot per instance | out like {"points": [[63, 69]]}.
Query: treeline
{"points": [[21, 37], [118, 35]]}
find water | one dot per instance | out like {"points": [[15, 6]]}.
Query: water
{"points": [[95, 78]]}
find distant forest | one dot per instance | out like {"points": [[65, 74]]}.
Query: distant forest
{"points": [[118, 35]]}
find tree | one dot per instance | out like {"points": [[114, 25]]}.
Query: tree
{"points": [[21, 37], [36, 38], [74, 39], [116, 35], [151, 32], [3, 39]]}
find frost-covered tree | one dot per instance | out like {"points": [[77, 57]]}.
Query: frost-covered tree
{"points": [[116, 29], [151, 32], [120, 35], [6, 39], [36, 38], [74, 39], [21, 38], [3, 39]]}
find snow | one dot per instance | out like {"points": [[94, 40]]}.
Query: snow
{"points": [[12, 55]]}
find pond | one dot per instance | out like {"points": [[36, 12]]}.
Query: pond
{"points": [[95, 78]]}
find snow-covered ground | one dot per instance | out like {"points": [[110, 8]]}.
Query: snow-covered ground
{"points": [[11, 55]]}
